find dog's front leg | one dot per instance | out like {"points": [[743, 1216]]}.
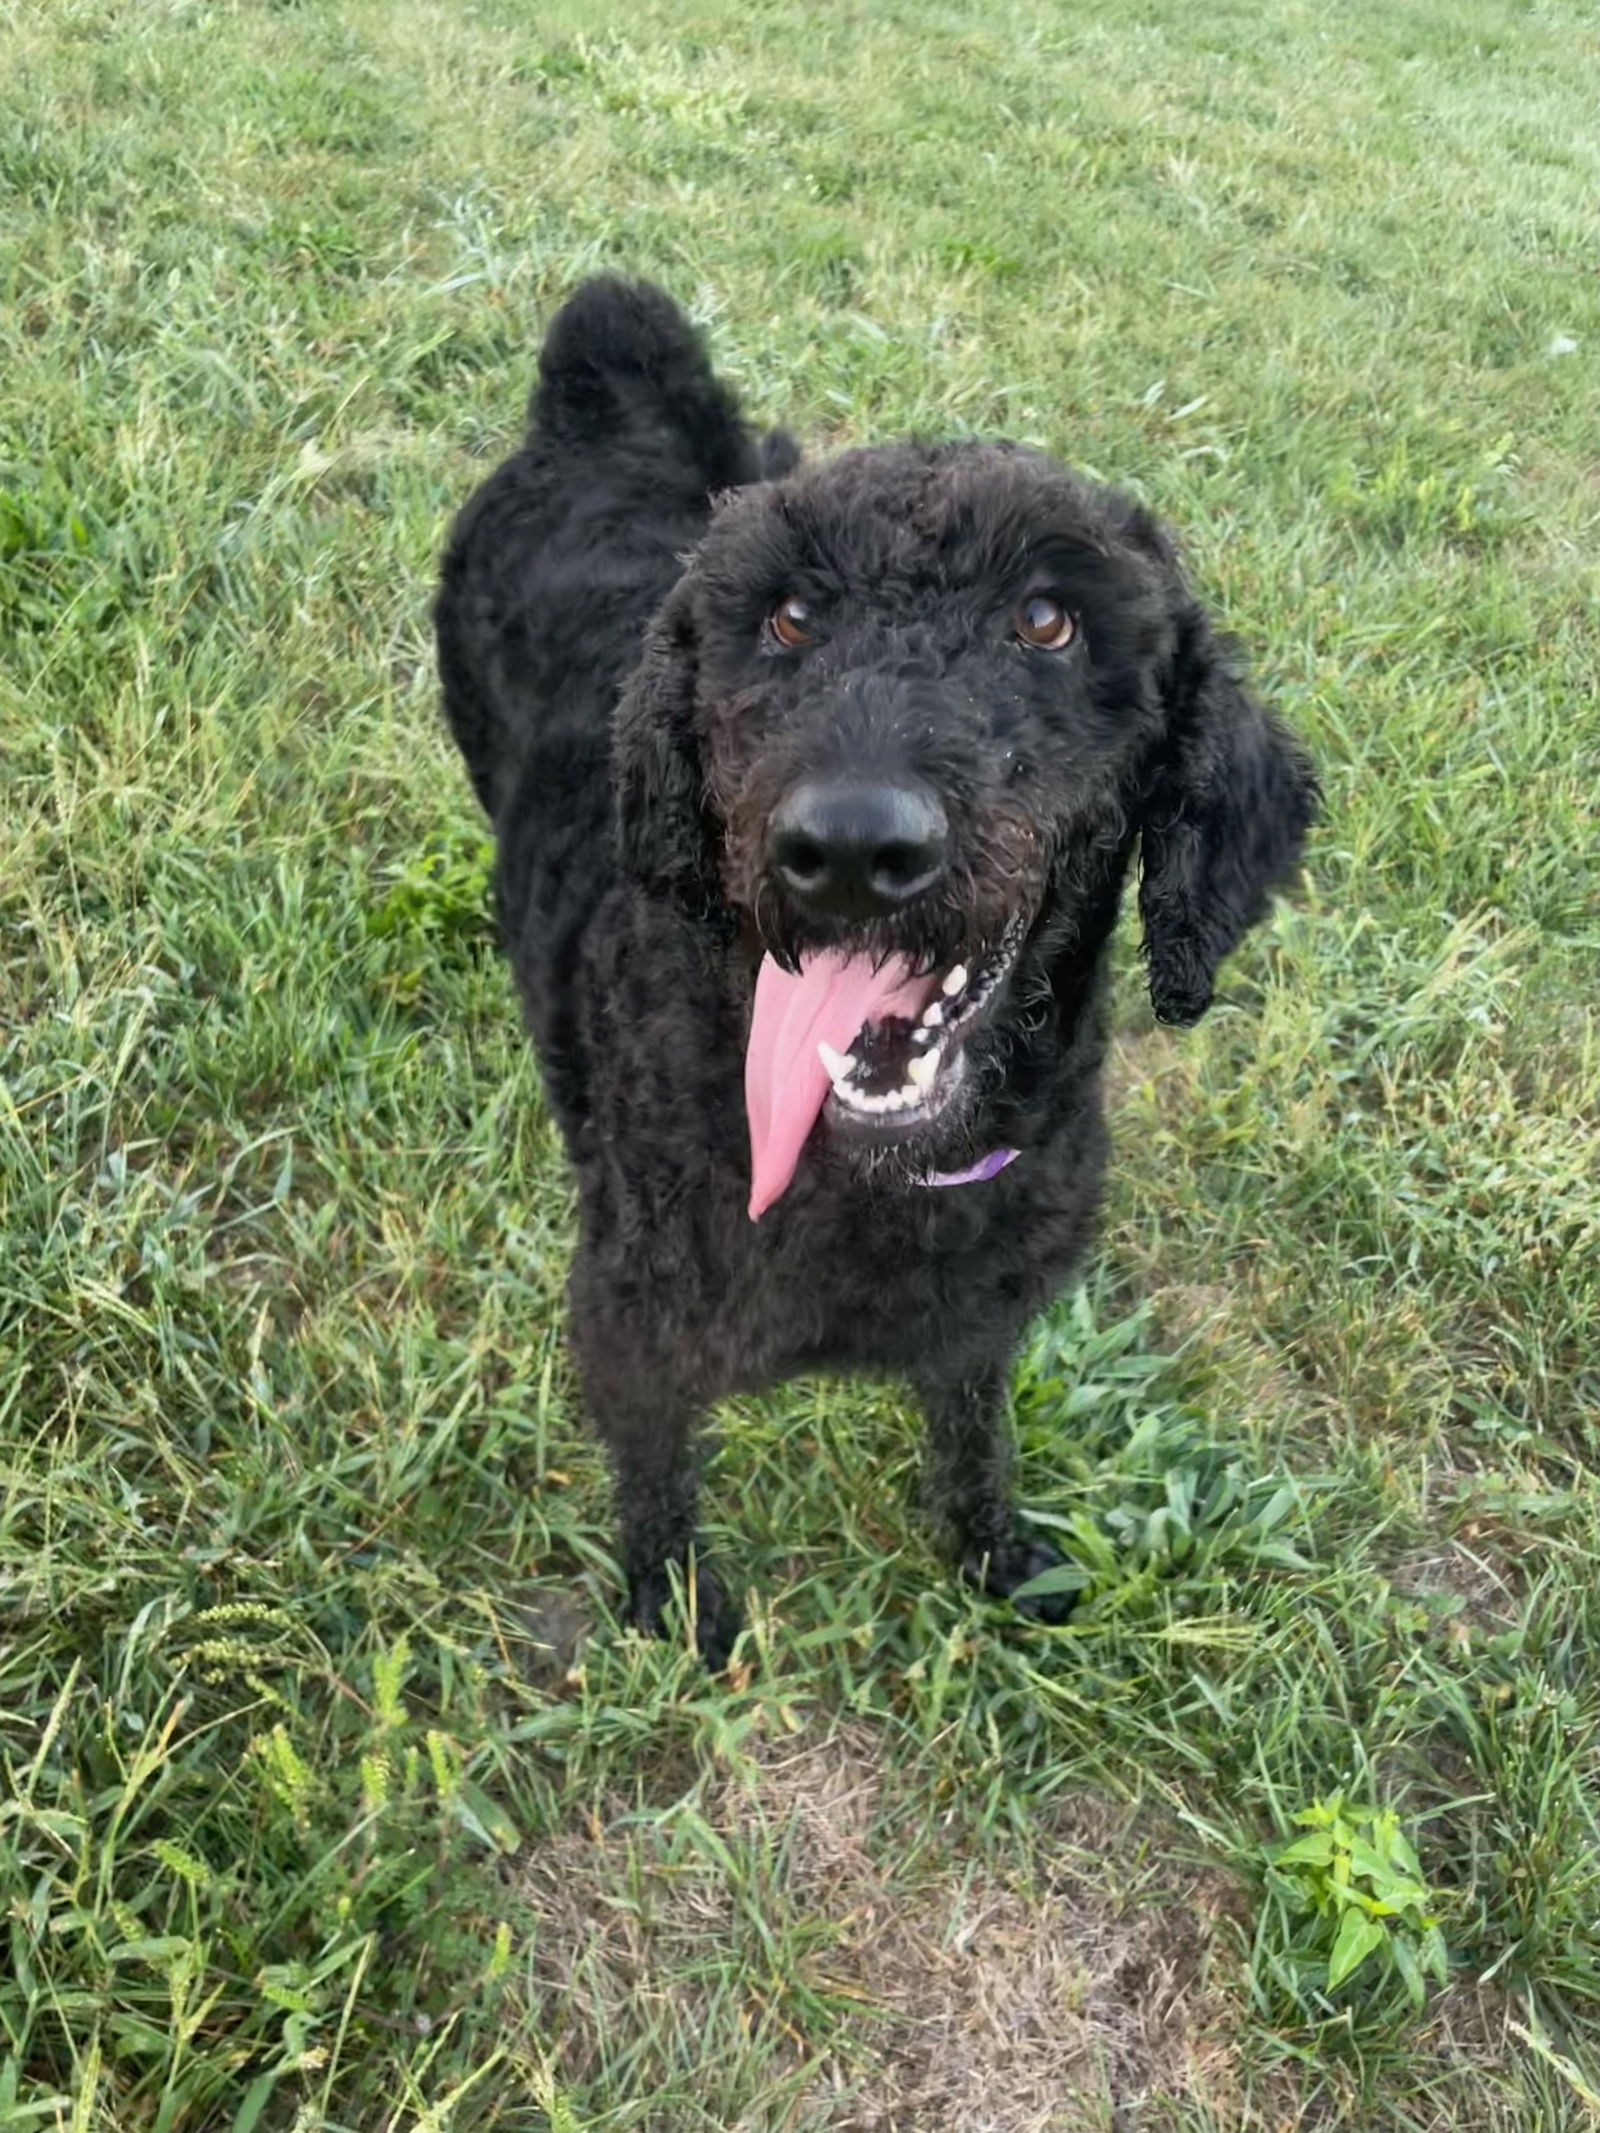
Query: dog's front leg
{"points": [[968, 1485], [647, 1423]]}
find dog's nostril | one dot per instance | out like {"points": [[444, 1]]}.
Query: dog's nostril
{"points": [[802, 860], [897, 867]]}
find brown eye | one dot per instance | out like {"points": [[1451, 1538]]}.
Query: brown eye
{"points": [[1044, 623], [790, 623]]}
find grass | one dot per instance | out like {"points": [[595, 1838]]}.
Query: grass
{"points": [[330, 1796]]}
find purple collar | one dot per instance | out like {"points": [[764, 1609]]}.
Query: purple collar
{"points": [[989, 1166]]}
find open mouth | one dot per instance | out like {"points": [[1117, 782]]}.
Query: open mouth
{"points": [[876, 1048], [901, 1074]]}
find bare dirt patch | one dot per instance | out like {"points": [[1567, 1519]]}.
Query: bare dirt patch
{"points": [[899, 1981]]}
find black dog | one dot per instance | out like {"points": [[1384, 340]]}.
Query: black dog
{"points": [[815, 792]]}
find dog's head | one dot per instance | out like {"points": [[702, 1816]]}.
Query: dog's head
{"points": [[907, 712]]}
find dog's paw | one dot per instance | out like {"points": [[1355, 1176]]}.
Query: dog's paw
{"points": [[1004, 1570], [653, 1606]]}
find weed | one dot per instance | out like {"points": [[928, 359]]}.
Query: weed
{"points": [[1348, 1891]]}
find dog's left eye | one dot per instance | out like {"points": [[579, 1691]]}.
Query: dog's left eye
{"points": [[790, 624], [1044, 623]]}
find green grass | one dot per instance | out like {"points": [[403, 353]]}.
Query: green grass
{"points": [[330, 1796]]}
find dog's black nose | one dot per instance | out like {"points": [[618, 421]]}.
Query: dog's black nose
{"points": [[847, 848]]}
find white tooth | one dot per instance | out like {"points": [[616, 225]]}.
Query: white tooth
{"points": [[840, 1065], [933, 1014], [955, 981], [895, 1100], [920, 1072]]}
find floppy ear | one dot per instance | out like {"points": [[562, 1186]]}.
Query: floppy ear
{"points": [[655, 766], [1224, 822]]}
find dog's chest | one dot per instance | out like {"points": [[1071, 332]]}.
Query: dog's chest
{"points": [[870, 1283]]}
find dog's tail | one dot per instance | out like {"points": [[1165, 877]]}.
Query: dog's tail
{"points": [[622, 366]]}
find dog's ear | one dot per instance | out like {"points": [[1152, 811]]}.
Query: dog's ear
{"points": [[1223, 823], [656, 769]]}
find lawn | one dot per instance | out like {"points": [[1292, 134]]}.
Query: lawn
{"points": [[331, 1795]]}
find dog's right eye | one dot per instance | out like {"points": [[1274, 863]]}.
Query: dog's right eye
{"points": [[790, 624], [1044, 623]]}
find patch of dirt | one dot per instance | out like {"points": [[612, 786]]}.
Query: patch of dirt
{"points": [[1481, 1591], [1476, 2036], [550, 1631], [1073, 1994]]}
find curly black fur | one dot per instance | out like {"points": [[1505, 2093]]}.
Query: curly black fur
{"points": [[630, 722]]}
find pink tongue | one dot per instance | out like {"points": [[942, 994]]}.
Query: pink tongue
{"points": [[785, 1083]]}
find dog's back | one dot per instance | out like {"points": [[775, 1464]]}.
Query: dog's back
{"points": [[552, 570], [557, 561]]}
